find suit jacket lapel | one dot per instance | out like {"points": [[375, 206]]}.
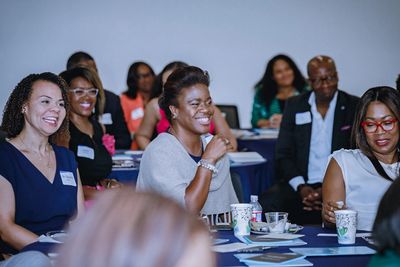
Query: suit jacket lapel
{"points": [[306, 129], [339, 123]]}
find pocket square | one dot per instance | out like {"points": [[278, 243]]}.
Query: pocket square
{"points": [[345, 128]]}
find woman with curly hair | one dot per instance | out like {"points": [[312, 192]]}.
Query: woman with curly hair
{"points": [[282, 79], [40, 189]]}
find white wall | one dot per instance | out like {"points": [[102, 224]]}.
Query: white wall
{"points": [[232, 39]]}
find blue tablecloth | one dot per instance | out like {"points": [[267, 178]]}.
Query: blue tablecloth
{"points": [[252, 176], [266, 148], [227, 259]]}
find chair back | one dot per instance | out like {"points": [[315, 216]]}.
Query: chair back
{"points": [[230, 112]]}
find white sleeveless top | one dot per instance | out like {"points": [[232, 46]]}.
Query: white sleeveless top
{"points": [[364, 186]]}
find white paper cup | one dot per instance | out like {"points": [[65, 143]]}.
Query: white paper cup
{"points": [[346, 226], [241, 216], [276, 221]]}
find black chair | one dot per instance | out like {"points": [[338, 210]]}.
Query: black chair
{"points": [[230, 112]]}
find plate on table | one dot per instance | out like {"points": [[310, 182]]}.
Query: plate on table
{"points": [[293, 228], [59, 236]]}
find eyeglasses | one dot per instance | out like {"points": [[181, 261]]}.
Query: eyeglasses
{"points": [[80, 92], [328, 79], [372, 126]]}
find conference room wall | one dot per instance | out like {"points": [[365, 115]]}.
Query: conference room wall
{"points": [[232, 39]]}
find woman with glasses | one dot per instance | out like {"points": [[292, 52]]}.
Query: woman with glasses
{"points": [[140, 82], [358, 178], [92, 147], [282, 79]]}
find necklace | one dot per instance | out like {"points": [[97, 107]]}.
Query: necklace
{"points": [[173, 132], [28, 150]]}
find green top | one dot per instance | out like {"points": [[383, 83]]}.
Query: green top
{"points": [[388, 259], [262, 111]]}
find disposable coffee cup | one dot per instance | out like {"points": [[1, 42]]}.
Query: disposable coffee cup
{"points": [[346, 226], [241, 216], [276, 221]]}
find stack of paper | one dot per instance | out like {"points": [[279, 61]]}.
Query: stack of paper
{"points": [[245, 157], [273, 240], [122, 161], [232, 247], [334, 251], [273, 259]]}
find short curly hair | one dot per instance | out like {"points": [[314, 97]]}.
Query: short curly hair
{"points": [[180, 79], [13, 119]]}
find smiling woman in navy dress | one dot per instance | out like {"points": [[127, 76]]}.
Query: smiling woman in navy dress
{"points": [[40, 189]]}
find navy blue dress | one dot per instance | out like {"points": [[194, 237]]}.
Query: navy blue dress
{"points": [[40, 206]]}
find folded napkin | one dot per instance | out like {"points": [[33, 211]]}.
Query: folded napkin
{"points": [[47, 239]]}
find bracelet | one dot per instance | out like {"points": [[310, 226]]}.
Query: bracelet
{"points": [[205, 164]]}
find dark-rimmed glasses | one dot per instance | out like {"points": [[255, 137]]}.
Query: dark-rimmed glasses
{"points": [[80, 92], [328, 79], [372, 126]]}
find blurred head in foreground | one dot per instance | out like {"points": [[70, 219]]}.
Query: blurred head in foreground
{"points": [[131, 229]]}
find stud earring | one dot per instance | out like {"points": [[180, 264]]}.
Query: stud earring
{"points": [[174, 116]]}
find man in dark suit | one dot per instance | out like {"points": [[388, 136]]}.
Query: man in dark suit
{"points": [[314, 124], [113, 117]]}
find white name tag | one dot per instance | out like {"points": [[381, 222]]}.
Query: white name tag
{"points": [[106, 119], [67, 178], [137, 113], [85, 152], [303, 118]]}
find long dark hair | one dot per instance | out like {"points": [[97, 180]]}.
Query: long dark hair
{"points": [[13, 119], [391, 99], [132, 79], [180, 79], [269, 87], [386, 230], [158, 86]]}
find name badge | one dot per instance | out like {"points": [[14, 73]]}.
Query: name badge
{"points": [[137, 113], [67, 178], [303, 118], [85, 152], [106, 119]]}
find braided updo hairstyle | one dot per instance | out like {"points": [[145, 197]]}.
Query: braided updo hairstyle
{"points": [[13, 119], [180, 79]]}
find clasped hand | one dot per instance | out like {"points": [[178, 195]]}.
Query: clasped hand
{"points": [[216, 148], [311, 198]]}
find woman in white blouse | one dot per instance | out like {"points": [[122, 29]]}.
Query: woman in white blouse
{"points": [[358, 178]]}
